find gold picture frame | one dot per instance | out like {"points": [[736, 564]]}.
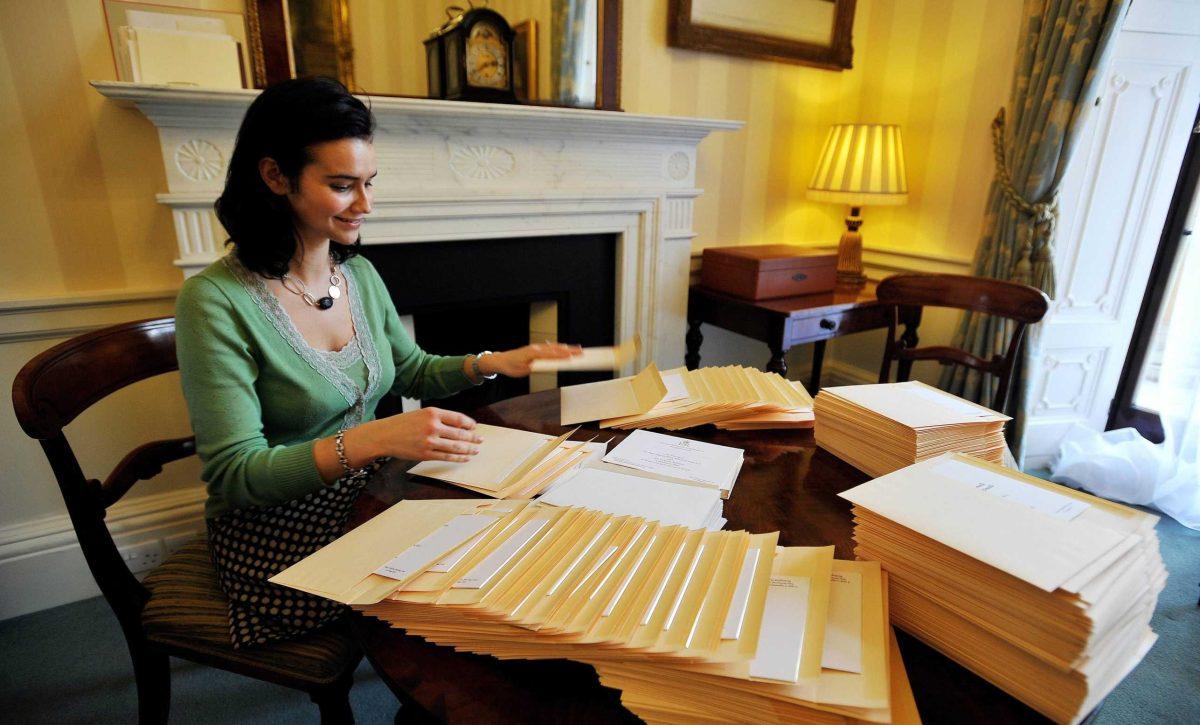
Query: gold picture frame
{"points": [[805, 32], [525, 60]]}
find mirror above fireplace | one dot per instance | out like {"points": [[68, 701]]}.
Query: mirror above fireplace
{"points": [[565, 53]]}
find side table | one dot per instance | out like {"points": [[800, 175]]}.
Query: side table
{"points": [[785, 322]]}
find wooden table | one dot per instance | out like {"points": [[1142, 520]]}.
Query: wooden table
{"points": [[786, 484], [785, 322]]}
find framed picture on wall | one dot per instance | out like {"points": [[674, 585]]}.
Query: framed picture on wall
{"points": [[806, 32], [525, 60]]}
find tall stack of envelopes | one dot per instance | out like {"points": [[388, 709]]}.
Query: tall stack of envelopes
{"points": [[690, 624], [880, 428], [1042, 590]]}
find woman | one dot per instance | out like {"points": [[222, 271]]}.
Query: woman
{"points": [[287, 344]]}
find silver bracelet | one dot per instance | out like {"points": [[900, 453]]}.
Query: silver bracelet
{"points": [[479, 373], [339, 445]]}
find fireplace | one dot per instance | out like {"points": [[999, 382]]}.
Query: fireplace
{"points": [[489, 294], [452, 172]]}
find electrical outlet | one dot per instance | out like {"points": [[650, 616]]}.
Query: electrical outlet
{"points": [[143, 557]]}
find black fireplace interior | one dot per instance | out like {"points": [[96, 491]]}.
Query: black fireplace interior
{"points": [[468, 296]]}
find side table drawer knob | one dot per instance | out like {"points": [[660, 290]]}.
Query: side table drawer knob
{"points": [[828, 324]]}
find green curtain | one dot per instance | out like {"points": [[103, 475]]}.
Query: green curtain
{"points": [[1062, 51]]}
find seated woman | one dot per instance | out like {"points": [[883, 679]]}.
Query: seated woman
{"points": [[287, 344]]}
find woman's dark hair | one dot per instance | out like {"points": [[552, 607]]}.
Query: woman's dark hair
{"points": [[283, 123]]}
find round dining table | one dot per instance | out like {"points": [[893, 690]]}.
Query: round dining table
{"points": [[787, 484]]}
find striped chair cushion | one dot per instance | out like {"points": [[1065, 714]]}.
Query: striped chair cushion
{"points": [[188, 613]]}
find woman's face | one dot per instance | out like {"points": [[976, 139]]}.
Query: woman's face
{"points": [[335, 191]]}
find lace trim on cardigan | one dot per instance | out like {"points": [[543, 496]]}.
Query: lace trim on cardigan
{"points": [[365, 341], [327, 364], [346, 357]]}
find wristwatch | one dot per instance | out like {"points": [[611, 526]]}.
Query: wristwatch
{"points": [[475, 367]]}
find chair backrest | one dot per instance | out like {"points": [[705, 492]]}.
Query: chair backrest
{"points": [[908, 294], [52, 389]]}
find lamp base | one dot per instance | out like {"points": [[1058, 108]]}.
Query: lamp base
{"points": [[849, 264]]}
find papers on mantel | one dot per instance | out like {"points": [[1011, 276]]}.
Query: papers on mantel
{"points": [[513, 463], [671, 616], [592, 358], [883, 427], [671, 504], [732, 397], [612, 398], [1041, 589], [679, 459]]}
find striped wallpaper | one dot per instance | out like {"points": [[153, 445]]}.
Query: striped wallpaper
{"points": [[937, 68], [82, 172]]}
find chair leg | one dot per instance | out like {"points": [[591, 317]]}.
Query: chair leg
{"points": [[152, 672], [334, 701]]}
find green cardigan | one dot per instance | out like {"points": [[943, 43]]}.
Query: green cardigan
{"points": [[259, 396]]}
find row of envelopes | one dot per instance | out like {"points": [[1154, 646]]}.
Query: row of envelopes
{"points": [[688, 624], [1045, 591], [881, 428], [730, 397]]}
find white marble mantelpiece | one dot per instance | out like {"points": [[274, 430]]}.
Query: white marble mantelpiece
{"points": [[452, 171]]}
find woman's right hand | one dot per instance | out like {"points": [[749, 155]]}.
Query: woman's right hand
{"points": [[428, 434]]}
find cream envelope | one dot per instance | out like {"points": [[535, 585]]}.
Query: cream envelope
{"points": [[592, 358], [343, 571], [950, 505], [612, 398], [511, 462], [697, 552], [702, 613], [725, 634], [580, 591]]}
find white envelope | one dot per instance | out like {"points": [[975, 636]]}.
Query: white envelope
{"points": [[1012, 536]]}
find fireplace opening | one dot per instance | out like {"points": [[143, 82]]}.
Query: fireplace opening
{"points": [[497, 294]]}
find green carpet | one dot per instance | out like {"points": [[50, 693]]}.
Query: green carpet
{"points": [[69, 664]]}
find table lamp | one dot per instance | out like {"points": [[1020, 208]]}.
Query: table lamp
{"points": [[861, 164]]}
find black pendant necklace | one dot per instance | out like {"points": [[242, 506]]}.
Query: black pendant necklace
{"points": [[297, 286]]}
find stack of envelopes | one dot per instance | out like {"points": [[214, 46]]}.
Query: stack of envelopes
{"points": [[514, 463], [765, 633], [730, 397], [881, 428], [1045, 591]]}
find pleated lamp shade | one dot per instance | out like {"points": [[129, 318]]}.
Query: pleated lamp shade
{"points": [[862, 164]]}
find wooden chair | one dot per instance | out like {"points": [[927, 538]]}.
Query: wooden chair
{"points": [[910, 293], [179, 609]]}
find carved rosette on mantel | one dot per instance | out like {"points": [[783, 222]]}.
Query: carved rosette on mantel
{"points": [[454, 171]]}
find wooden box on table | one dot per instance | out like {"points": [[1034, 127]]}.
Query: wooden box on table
{"points": [[768, 271]]}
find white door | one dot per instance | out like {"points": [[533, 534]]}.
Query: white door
{"points": [[1113, 203]]}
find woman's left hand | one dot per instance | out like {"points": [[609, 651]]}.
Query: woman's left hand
{"points": [[515, 363]]}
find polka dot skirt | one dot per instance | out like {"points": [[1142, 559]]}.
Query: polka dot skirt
{"points": [[251, 545]]}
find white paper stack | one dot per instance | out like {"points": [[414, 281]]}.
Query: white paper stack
{"points": [[881, 428], [162, 48], [1045, 591], [679, 460]]}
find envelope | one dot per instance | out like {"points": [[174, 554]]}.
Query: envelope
{"points": [[612, 398], [592, 358], [939, 499]]}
